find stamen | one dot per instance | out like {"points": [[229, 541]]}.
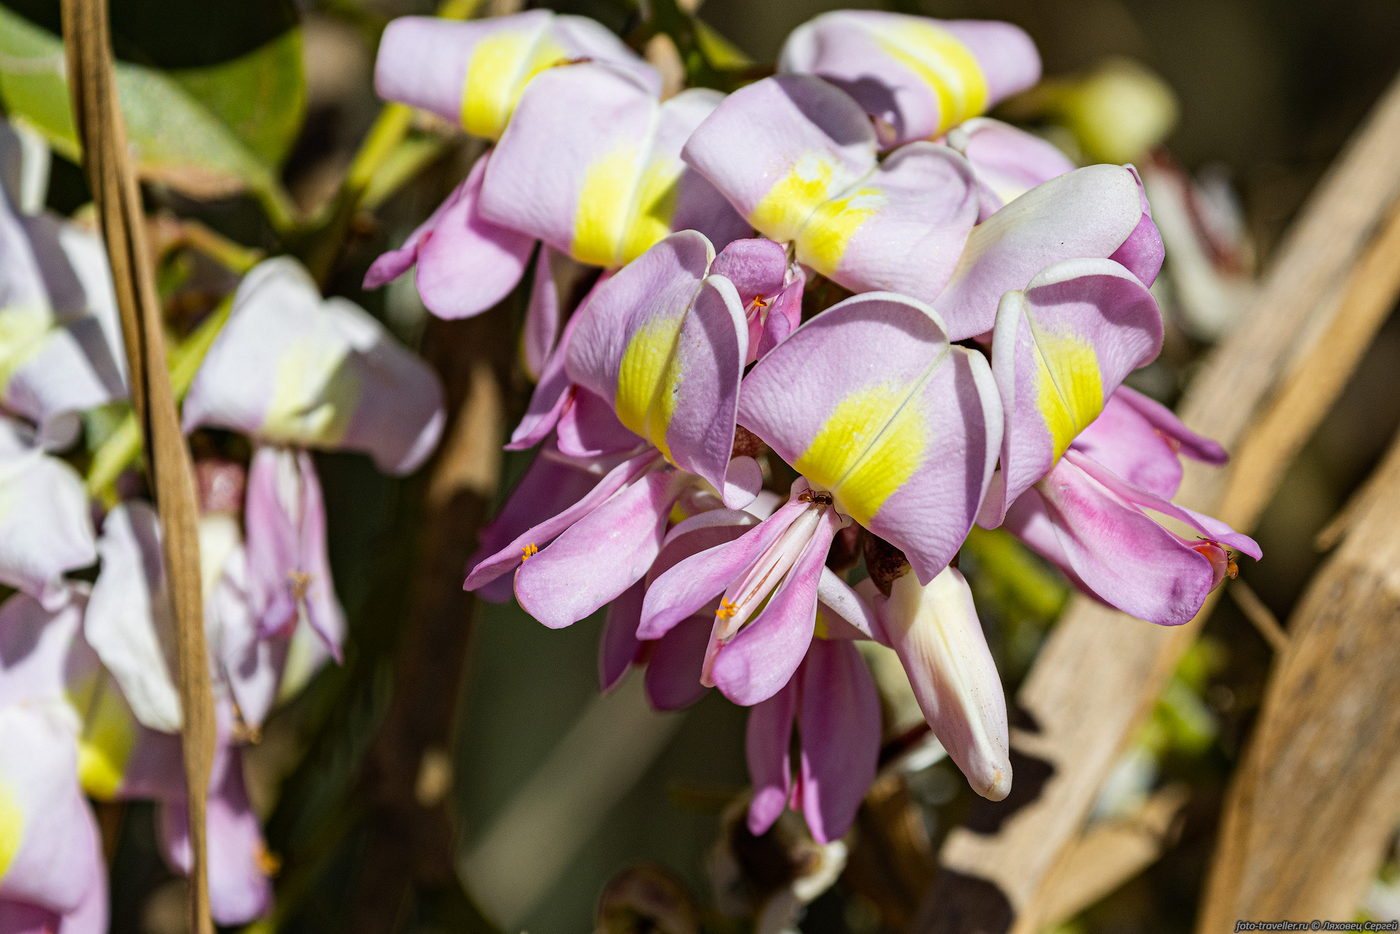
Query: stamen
{"points": [[529, 551], [301, 583], [727, 609], [268, 863], [760, 302]]}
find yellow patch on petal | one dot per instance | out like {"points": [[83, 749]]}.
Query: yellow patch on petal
{"points": [[312, 396], [653, 207], [107, 740], [22, 333], [649, 379], [1068, 386], [11, 828], [500, 67], [792, 199], [601, 219], [829, 229], [943, 63], [866, 450]]}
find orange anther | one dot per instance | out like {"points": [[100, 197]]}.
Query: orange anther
{"points": [[301, 583], [529, 551], [727, 609]]}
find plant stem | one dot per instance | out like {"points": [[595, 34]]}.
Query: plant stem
{"points": [[123, 447], [388, 132]]}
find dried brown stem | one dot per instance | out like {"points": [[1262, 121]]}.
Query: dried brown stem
{"points": [[410, 826], [118, 200], [1312, 807]]}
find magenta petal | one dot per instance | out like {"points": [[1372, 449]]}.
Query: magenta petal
{"points": [[1140, 440], [758, 143], [763, 656], [1007, 161], [548, 487], [914, 76], [666, 345], [694, 582], [588, 428], [711, 350], [929, 416], [839, 722], [658, 285], [673, 673], [1060, 350], [757, 267], [767, 742], [599, 556], [473, 72], [1142, 253], [1086, 214], [619, 648], [288, 565], [783, 317], [1111, 548], [546, 407], [1208, 526], [1164, 421], [508, 557], [466, 264], [899, 229], [589, 164], [699, 533], [394, 263]]}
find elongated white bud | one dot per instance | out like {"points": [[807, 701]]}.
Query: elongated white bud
{"points": [[935, 631]]}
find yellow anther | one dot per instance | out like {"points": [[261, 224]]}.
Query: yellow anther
{"points": [[268, 863], [529, 551], [727, 609], [760, 302], [301, 583]]}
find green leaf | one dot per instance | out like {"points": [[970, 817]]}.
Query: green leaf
{"points": [[213, 93]]}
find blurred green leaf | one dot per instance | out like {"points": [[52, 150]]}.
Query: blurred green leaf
{"points": [[213, 93]]}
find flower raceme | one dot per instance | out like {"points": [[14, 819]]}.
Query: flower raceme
{"points": [[976, 375]]}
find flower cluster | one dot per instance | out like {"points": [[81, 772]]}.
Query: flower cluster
{"points": [[716, 431], [88, 702]]}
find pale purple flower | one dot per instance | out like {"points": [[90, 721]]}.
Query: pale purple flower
{"points": [[1088, 518], [833, 704], [935, 631], [916, 77]]}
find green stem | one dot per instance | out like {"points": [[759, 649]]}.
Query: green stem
{"points": [[386, 135], [123, 447]]}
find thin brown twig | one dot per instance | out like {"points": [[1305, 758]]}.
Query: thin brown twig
{"points": [[113, 182], [1310, 811], [1259, 614]]}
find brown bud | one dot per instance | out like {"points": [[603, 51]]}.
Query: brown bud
{"points": [[885, 562], [647, 897], [746, 443]]}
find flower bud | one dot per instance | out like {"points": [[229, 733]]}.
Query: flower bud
{"points": [[935, 631]]}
